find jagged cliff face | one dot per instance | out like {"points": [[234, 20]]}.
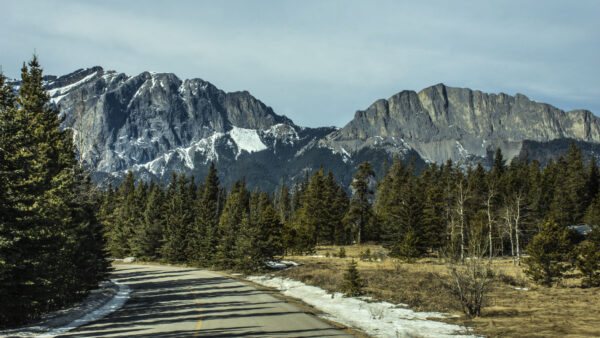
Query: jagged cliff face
{"points": [[122, 121], [461, 124], [156, 124]]}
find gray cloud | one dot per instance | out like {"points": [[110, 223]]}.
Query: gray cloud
{"points": [[319, 61]]}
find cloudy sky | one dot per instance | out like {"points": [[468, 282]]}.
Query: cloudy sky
{"points": [[319, 61]]}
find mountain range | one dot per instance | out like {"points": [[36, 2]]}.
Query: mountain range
{"points": [[156, 124]]}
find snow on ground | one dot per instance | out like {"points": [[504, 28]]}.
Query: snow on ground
{"points": [[280, 264], [246, 139], [379, 319], [113, 305]]}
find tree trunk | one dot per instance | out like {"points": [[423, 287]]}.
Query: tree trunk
{"points": [[517, 219], [491, 194]]}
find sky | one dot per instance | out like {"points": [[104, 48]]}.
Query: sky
{"points": [[318, 61]]}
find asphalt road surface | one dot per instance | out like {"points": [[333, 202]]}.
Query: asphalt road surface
{"points": [[183, 302]]}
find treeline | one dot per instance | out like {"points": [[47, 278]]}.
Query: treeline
{"points": [[446, 209], [443, 211], [204, 225], [51, 243]]}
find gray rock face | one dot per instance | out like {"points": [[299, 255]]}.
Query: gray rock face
{"points": [[120, 121], [461, 124], [156, 124]]}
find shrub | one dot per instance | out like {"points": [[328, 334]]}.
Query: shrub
{"points": [[342, 253], [470, 283], [365, 255]]}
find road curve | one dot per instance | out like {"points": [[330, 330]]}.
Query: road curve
{"points": [[184, 302]]}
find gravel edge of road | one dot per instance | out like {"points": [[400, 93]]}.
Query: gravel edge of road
{"points": [[95, 300]]}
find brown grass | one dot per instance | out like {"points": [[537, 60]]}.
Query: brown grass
{"points": [[564, 310]]}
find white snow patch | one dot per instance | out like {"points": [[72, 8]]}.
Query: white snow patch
{"points": [[461, 149], [379, 319], [65, 89], [246, 139], [113, 305], [205, 146], [275, 265], [286, 133], [57, 99]]}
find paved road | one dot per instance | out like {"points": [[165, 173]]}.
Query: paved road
{"points": [[178, 302]]}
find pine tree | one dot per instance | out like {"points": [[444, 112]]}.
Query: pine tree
{"points": [[203, 236], [548, 253], [360, 214], [588, 259], [433, 209], [593, 181], [47, 222], [121, 229], [147, 238], [353, 284], [236, 209], [178, 217]]}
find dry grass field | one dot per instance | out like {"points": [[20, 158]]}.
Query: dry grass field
{"points": [[561, 311]]}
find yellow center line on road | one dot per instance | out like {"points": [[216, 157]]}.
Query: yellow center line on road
{"points": [[199, 325]]}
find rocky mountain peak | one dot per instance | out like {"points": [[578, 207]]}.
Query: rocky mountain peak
{"points": [[465, 125]]}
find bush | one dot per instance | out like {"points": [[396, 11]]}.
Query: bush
{"points": [[365, 255], [470, 283], [342, 253], [353, 284]]}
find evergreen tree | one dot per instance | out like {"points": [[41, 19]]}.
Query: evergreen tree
{"points": [[236, 210], [46, 218], [360, 214], [178, 217], [547, 253], [593, 181], [588, 259], [353, 284], [433, 209], [203, 236], [147, 238]]}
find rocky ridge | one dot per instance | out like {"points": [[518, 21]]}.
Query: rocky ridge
{"points": [[156, 124]]}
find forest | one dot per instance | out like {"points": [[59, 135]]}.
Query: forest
{"points": [[443, 211]]}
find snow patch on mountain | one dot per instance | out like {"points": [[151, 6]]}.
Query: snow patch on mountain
{"points": [[63, 90], [205, 147], [284, 133], [246, 139]]}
